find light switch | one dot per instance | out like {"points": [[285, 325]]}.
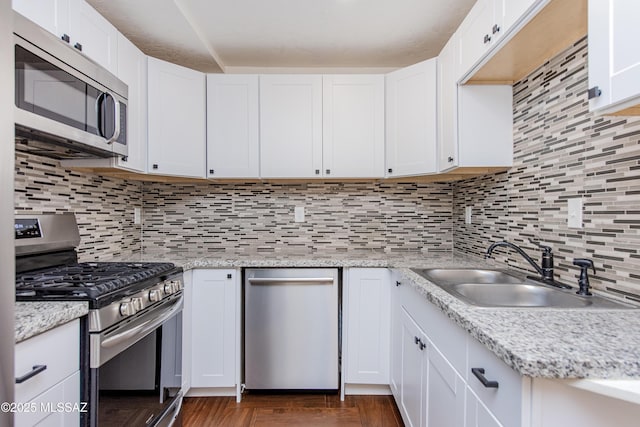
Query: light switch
{"points": [[467, 214], [298, 213], [574, 208]]}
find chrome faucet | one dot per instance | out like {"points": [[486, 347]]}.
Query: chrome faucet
{"points": [[545, 271]]}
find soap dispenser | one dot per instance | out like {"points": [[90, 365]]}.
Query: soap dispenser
{"points": [[583, 281]]}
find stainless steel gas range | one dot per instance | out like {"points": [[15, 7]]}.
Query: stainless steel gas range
{"points": [[131, 340]]}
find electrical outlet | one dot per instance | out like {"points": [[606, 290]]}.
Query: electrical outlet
{"points": [[467, 214], [137, 216], [574, 213], [298, 213]]}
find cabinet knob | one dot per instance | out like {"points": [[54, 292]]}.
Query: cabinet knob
{"points": [[317, 171], [594, 92], [416, 340], [78, 46], [125, 158], [328, 171], [450, 159], [155, 166], [390, 170], [487, 38], [495, 28], [398, 283], [422, 345], [211, 171], [66, 38], [229, 276]]}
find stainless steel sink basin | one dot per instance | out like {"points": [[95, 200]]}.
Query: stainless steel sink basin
{"points": [[495, 288]]}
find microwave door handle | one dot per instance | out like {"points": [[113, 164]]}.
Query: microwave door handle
{"points": [[100, 105], [116, 118]]}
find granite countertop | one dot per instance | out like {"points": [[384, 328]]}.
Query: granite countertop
{"points": [[33, 318], [535, 342]]}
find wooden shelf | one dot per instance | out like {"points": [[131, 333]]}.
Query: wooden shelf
{"points": [[557, 26]]}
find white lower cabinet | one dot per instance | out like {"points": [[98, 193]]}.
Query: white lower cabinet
{"points": [[477, 414], [413, 368], [445, 391], [49, 365], [366, 322], [215, 332]]}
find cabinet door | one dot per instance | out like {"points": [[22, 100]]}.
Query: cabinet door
{"points": [[132, 69], [177, 122], [93, 35], [214, 329], [509, 12], [624, 57], [395, 374], [411, 120], [353, 126], [232, 126], [448, 106], [52, 15], [477, 414], [476, 34], [445, 392], [290, 126], [367, 317], [412, 404]]}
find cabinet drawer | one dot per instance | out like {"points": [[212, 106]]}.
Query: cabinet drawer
{"points": [[52, 408], [505, 401], [58, 349]]}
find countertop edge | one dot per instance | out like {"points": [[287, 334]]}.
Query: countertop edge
{"points": [[34, 318]]}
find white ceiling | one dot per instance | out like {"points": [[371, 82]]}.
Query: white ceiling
{"points": [[252, 35]]}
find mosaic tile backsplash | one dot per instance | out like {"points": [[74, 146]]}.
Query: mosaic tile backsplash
{"points": [[202, 219], [561, 151], [103, 206]]}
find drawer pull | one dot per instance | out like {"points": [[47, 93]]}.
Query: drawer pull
{"points": [[479, 373], [35, 371]]}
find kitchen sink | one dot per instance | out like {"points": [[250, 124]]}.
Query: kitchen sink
{"points": [[495, 288]]}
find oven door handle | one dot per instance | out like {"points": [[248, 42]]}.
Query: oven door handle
{"points": [[109, 346]]}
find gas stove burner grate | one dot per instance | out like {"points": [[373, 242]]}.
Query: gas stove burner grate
{"points": [[89, 279]]}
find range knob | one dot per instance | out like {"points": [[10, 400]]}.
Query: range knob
{"points": [[168, 288], [155, 295], [137, 303], [179, 285], [127, 309]]}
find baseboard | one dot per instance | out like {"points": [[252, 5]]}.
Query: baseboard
{"points": [[370, 389], [211, 391]]}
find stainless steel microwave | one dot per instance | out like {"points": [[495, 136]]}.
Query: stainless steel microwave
{"points": [[66, 105]]}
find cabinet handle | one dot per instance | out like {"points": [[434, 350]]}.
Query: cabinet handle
{"points": [[594, 92], [450, 159], [35, 371], [328, 171], [390, 170], [421, 345], [398, 283], [479, 373], [211, 171], [416, 340], [155, 166], [78, 46], [66, 38], [229, 276], [317, 171], [495, 28], [487, 38]]}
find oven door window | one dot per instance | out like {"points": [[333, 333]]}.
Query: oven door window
{"points": [[48, 91]]}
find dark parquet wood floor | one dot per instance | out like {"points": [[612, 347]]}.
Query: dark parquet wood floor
{"points": [[265, 410]]}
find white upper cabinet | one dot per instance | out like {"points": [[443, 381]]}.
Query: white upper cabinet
{"points": [[93, 35], [52, 15], [475, 121], [487, 22], [614, 61], [411, 120], [291, 126], [353, 126], [232, 126], [177, 120], [132, 69]]}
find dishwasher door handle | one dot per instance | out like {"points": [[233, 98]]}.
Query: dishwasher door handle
{"points": [[271, 280]]}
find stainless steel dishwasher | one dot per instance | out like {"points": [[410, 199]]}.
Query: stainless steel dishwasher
{"points": [[291, 329]]}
